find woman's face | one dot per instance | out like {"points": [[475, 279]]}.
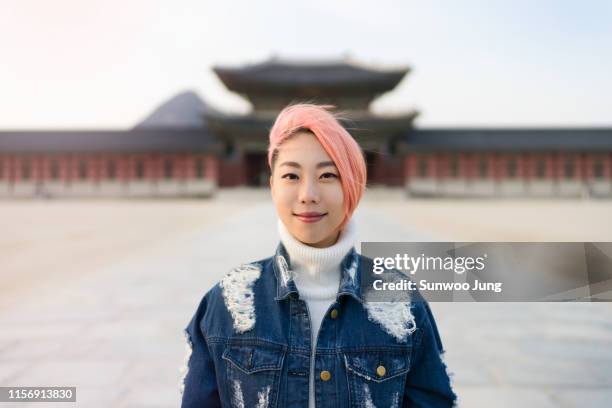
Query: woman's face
{"points": [[306, 190]]}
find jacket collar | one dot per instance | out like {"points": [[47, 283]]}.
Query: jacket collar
{"points": [[350, 278]]}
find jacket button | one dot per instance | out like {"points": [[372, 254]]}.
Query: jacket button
{"points": [[334, 313], [325, 375], [381, 371]]}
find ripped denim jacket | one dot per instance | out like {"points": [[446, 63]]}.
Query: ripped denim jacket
{"points": [[250, 345]]}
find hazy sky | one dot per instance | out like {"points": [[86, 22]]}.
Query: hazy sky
{"points": [[108, 63]]}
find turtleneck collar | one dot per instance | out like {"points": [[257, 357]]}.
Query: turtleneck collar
{"points": [[317, 268]]}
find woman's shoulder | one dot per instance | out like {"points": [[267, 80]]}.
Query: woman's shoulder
{"points": [[414, 301], [231, 300], [240, 276]]}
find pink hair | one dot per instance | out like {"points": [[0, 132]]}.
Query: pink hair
{"points": [[336, 141]]}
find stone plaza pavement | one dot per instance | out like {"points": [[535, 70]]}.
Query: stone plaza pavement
{"points": [[116, 332]]}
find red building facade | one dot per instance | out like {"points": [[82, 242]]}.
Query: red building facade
{"points": [[505, 162], [154, 163]]}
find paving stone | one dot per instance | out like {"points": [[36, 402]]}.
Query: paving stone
{"points": [[90, 373], [585, 398], [498, 397]]}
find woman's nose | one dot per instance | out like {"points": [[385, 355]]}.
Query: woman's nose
{"points": [[309, 192]]}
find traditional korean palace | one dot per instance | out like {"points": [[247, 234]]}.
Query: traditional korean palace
{"points": [[187, 148]]}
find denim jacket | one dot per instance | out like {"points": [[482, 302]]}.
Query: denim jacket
{"points": [[250, 345]]}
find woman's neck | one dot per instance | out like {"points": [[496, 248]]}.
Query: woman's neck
{"points": [[321, 265], [331, 240]]}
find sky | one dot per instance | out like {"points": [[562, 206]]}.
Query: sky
{"points": [[75, 64]]}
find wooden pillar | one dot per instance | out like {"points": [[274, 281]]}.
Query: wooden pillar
{"points": [[491, 163], [127, 167], [122, 167], [496, 166], [44, 168], [523, 166], [529, 165], [157, 166], [409, 166], [17, 168], [557, 166], [586, 166], [131, 167], [185, 166], [549, 166], [176, 167], [35, 167], [189, 166], [177, 164], [149, 167], [11, 160], [442, 165], [64, 163], [431, 165], [50, 166], [4, 168], [581, 163], [211, 167], [172, 159], [7, 168], [73, 160], [468, 165], [94, 168], [562, 157], [103, 167]]}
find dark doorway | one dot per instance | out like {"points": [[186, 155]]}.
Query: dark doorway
{"points": [[256, 168], [370, 158]]}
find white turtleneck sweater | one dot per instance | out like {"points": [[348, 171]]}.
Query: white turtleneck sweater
{"points": [[316, 273]]}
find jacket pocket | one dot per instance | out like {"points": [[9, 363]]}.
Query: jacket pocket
{"points": [[376, 377], [253, 372]]}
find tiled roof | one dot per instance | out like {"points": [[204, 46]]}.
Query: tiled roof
{"points": [[529, 139], [136, 140]]}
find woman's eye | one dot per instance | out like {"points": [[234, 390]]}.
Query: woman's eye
{"points": [[329, 175], [290, 176]]}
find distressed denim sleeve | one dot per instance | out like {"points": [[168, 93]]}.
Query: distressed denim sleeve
{"points": [[199, 385], [428, 383]]}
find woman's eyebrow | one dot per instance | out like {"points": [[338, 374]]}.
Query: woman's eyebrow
{"points": [[297, 165], [290, 164], [326, 164]]}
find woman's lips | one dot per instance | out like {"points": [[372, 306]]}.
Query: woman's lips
{"points": [[310, 217]]}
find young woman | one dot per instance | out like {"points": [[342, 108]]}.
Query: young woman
{"points": [[293, 330]]}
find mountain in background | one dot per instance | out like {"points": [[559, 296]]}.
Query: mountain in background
{"points": [[185, 110]]}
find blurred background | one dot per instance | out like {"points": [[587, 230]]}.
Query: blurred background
{"points": [[133, 140]]}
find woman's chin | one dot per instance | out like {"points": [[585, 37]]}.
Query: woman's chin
{"points": [[308, 239]]}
